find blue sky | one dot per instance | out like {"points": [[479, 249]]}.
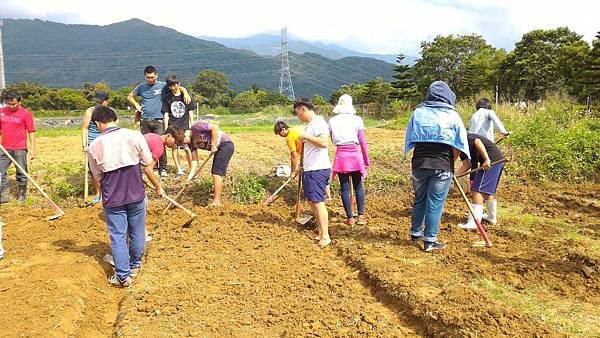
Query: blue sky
{"points": [[383, 26]]}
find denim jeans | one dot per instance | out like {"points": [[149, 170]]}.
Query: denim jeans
{"points": [[157, 127], [21, 157], [431, 189], [358, 191], [127, 221]]}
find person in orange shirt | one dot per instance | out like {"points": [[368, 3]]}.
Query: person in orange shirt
{"points": [[293, 142], [292, 139]]}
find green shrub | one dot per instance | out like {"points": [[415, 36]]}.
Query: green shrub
{"points": [[249, 188]]}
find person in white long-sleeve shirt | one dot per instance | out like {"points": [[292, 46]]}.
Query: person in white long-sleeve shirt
{"points": [[485, 119]]}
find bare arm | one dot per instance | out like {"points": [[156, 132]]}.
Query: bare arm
{"points": [[149, 171], [166, 120], [87, 118], [134, 103], [214, 137], [294, 162], [186, 96], [31, 148], [194, 166], [481, 150], [465, 166]]}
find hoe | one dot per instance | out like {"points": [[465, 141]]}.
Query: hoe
{"points": [[185, 186], [59, 212]]}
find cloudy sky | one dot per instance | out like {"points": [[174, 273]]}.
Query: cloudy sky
{"points": [[375, 26]]}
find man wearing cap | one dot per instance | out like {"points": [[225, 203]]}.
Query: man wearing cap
{"points": [[89, 132], [152, 93], [17, 136], [316, 165]]}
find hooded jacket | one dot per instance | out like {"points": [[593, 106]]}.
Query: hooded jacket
{"points": [[436, 121]]}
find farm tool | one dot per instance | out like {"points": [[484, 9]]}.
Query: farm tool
{"points": [[186, 183], [300, 218], [472, 171], [486, 241], [274, 196], [504, 137], [175, 203], [86, 189], [59, 211]]}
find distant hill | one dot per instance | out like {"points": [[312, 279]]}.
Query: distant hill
{"points": [[61, 55], [265, 44]]}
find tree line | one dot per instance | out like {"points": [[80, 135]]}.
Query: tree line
{"points": [[543, 62]]}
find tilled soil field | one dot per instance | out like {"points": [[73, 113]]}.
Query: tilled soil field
{"points": [[249, 270]]}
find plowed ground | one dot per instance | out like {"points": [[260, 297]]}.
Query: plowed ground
{"points": [[249, 270]]}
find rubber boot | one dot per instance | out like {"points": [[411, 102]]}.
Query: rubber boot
{"points": [[478, 210], [22, 193], [3, 195], [492, 208]]}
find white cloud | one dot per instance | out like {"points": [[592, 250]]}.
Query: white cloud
{"points": [[384, 26]]}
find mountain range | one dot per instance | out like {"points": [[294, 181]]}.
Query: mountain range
{"points": [[67, 55], [266, 44]]}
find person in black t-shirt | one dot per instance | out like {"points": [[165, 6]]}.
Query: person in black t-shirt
{"points": [[178, 113], [485, 182]]}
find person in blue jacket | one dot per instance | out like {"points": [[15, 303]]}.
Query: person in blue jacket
{"points": [[438, 136]]}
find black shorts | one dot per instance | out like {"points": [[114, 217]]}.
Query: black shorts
{"points": [[221, 158]]}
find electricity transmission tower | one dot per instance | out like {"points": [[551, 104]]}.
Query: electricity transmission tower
{"points": [[2, 82], [285, 84]]}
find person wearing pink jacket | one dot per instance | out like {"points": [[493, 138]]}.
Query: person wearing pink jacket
{"points": [[351, 156]]}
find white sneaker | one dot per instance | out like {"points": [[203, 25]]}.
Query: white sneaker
{"points": [[468, 226]]}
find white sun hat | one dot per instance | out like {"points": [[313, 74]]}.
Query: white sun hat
{"points": [[344, 105]]}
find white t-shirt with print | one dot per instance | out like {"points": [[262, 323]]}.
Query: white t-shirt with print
{"points": [[344, 128], [316, 158]]}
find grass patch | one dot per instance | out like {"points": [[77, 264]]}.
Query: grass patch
{"points": [[248, 189], [568, 317]]}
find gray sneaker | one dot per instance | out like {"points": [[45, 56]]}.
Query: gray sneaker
{"points": [[116, 282], [430, 246]]}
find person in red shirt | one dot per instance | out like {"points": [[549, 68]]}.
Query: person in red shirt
{"points": [[157, 144], [17, 136]]}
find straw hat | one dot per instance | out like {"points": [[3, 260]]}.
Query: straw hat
{"points": [[344, 105]]}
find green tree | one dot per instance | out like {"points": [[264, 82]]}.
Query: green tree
{"points": [[273, 97], [213, 88], [26, 90], [319, 100], [405, 87], [591, 73], [118, 98], [377, 91], [457, 61], [249, 101], [61, 99], [544, 62]]}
